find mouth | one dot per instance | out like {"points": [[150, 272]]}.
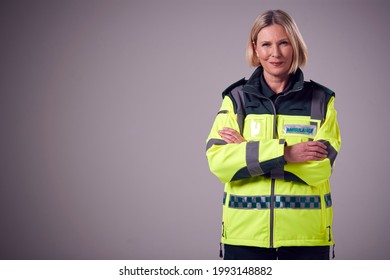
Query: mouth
{"points": [[276, 63]]}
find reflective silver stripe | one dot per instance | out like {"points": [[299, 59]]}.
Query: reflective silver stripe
{"points": [[277, 173], [280, 201], [252, 158], [315, 124], [317, 105], [239, 99], [332, 153], [214, 141]]}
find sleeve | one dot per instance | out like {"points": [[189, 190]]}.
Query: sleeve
{"points": [[314, 173], [230, 162]]}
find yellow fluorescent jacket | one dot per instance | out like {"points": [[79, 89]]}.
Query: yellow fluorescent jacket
{"points": [[267, 202]]}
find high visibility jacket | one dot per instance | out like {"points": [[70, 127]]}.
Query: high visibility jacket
{"points": [[267, 202]]}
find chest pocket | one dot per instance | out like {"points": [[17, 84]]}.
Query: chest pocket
{"points": [[297, 129], [257, 127]]}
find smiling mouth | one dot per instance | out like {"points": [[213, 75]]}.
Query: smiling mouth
{"points": [[276, 63]]}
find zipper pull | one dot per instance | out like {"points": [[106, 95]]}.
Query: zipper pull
{"points": [[330, 238]]}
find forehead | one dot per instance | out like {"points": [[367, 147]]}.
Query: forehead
{"points": [[272, 32]]}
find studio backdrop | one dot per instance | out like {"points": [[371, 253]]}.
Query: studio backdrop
{"points": [[105, 107]]}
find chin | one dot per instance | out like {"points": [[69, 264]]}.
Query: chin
{"points": [[281, 73]]}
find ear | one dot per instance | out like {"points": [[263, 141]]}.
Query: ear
{"points": [[255, 48]]}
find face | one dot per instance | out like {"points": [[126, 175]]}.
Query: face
{"points": [[274, 50]]}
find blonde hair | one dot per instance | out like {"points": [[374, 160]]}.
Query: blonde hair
{"points": [[282, 18]]}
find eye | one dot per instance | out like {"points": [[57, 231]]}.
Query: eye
{"points": [[284, 43], [265, 44]]}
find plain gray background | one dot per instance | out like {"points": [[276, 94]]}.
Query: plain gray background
{"points": [[106, 106]]}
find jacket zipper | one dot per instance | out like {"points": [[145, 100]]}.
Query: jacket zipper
{"points": [[220, 243], [272, 213], [272, 198]]}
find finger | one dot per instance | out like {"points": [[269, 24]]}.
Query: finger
{"points": [[321, 144], [226, 134], [315, 147], [315, 156], [229, 129], [232, 138], [227, 137], [317, 144], [231, 133], [318, 150], [319, 155]]}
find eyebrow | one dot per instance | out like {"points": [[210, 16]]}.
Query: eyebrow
{"points": [[281, 40]]}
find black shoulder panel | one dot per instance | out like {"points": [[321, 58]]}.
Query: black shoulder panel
{"points": [[323, 88], [233, 86]]}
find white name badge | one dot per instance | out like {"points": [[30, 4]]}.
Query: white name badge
{"points": [[309, 130]]}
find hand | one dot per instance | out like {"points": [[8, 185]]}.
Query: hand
{"points": [[305, 151], [231, 136]]}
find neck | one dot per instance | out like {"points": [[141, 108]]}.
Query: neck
{"points": [[276, 83]]}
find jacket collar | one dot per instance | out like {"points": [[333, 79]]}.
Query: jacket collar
{"points": [[254, 83]]}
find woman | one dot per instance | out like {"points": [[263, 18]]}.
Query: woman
{"points": [[273, 143]]}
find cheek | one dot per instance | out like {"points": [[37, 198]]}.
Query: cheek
{"points": [[261, 54], [289, 54]]}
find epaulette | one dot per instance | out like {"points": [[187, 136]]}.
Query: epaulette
{"points": [[323, 88], [232, 86]]}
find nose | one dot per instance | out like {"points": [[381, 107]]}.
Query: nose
{"points": [[275, 52]]}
